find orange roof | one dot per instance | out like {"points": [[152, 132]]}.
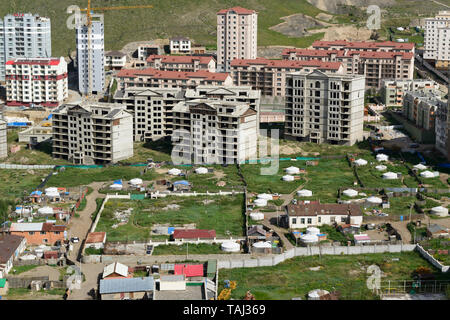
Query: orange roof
{"points": [[287, 63], [180, 59], [238, 10], [344, 53], [160, 74], [364, 44], [96, 237]]}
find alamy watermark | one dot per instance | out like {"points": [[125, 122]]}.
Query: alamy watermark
{"points": [[75, 279], [374, 281], [374, 20], [78, 19]]}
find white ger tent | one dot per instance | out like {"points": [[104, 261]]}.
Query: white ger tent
{"points": [[174, 172], [390, 175], [382, 157], [292, 170], [288, 178], [201, 170], [381, 167], [350, 193], [304, 193], [230, 246], [440, 211], [360, 162], [257, 216], [374, 200]]}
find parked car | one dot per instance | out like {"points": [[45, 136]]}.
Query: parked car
{"points": [[75, 239], [414, 145]]}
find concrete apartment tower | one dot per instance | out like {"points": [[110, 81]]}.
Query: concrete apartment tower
{"points": [[97, 56], [237, 30], [325, 108], [24, 36], [437, 39]]}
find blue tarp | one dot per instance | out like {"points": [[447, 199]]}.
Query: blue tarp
{"points": [[117, 181], [17, 124], [444, 165], [421, 157], [37, 193], [183, 182], [50, 116], [170, 230]]}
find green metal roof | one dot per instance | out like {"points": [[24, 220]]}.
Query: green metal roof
{"points": [[211, 267]]}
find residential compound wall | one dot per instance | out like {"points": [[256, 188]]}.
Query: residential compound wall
{"points": [[95, 67], [152, 109], [36, 81], [437, 39], [375, 60], [211, 131], [269, 76], [323, 107], [181, 63], [237, 31], [392, 91], [153, 78], [24, 35], [92, 133]]}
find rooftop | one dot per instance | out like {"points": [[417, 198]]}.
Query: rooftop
{"points": [[40, 61], [96, 237], [110, 286], [180, 59], [314, 209], [364, 44], [8, 245], [238, 10], [181, 75], [193, 234], [287, 63]]}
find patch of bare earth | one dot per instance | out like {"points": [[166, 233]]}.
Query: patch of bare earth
{"points": [[351, 33], [297, 25]]}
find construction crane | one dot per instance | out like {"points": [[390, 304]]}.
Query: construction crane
{"points": [[88, 24]]}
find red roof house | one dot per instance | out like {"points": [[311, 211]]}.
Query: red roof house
{"points": [[193, 234]]}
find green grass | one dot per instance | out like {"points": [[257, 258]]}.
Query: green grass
{"points": [[438, 244], [72, 177], [346, 274], [22, 269], [400, 205], [143, 151], [89, 251], [208, 182], [27, 294], [20, 182], [325, 179], [223, 214], [201, 248], [259, 183], [99, 202]]}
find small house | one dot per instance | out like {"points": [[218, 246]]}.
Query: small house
{"points": [[116, 270], [127, 289], [437, 231], [96, 240], [348, 228], [189, 270], [39, 233], [181, 185], [172, 282], [11, 246], [257, 233]]}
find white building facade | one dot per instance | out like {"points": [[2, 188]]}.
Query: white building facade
{"points": [[323, 107], [237, 30], [24, 35], [36, 81], [437, 39]]}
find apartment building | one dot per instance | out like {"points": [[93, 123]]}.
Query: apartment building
{"points": [[152, 109], [146, 50], [153, 78], [420, 107], [91, 70], [24, 36], [210, 131], [375, 65], [180, 45], [323, 107], [382, 46], [92, 133], [237, 30], [36, 81], [182, 63], [441, 129], [269, 76], [115, 60], [437, 39], [392, 91]]}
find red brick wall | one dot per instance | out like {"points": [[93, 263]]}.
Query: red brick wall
{"points": [[38, 238]]}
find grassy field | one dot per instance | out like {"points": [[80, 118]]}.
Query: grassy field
{"points": [[325, 179], [27, 294], [21, 269], [143, 151], [201, 248], [346, 274], [72, 177], [20, 182], [208, 182], [260, 183], [223, 214]]}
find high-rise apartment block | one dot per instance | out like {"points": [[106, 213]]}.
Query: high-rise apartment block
{"points": [[152, 108], [375, 60], [24, 35], [95, 67], [392, 91], [211, 131], [92, 133], [437, 39], [36, 81], [237, 30], [323, 107]]}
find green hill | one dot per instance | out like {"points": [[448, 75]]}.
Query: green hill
{"points": [[193, 18]]}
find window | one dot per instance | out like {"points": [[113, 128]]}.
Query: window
{"points": [[302, 220], [31, 233], [43, 232], [294, 220], [309, 220], [319, 219]]}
